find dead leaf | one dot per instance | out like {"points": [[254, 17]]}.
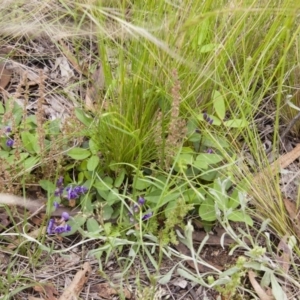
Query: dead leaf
{"points": [[93, 91], [105, 291], [66, 72], [5, 76], [80, 279], [282, 162], [285, 256], [48, 290], [182, 283], [258, 289], [291, 209]]}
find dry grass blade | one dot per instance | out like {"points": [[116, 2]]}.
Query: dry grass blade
{"points": [[294, 215], [258, 289], [285, 256]]}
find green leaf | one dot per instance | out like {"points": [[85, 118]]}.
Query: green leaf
{"points": [[119, 180], [170, 207], [107, 212], [219, 104], [30, 142], [93, 146], [54, 127], [47, 185], [92, 225], [141, 183], [214, 142], [167, 277], [83, 117], [277, 290], [113, 197], [208, 48], [200, 164], [104, 185], [4, 154], [92, 163], [209, 158], [79, 153], [236, 123], [185, 159], [195, 137], [239, 216], [207, 210], [76, 223], [30, 163], [17, 113]]}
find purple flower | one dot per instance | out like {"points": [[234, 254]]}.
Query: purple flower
{"points": [[62, 228], [7, 129], [72, 194], [68, 228], [58, 191], [75, 192], [50, 226], [65, 216], [80, 189], [59, 229], [147, 216], [9, 142], [209, 151], [141, 201], [56, 205], [205, 116], [59, 181], [210, 121]]}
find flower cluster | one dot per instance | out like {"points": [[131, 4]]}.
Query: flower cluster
{"points": [[136, 208], [9, 140], [207, 118], [58, 226], [72, 193]]}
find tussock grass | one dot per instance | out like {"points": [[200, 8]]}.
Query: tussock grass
{"points": [[155, 54]]}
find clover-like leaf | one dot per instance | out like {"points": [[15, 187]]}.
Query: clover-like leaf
{"points": [[219, 104], [79, 153]]}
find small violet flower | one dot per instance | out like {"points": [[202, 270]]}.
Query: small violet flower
{"points": [[50, 226], [56, 226], [209, 151], [7, 129], [147, 216], [75, 192], [136, 208], [141, 201], [9, 142], [207, 118], [65, 216], [62, 229], [71, 193]]}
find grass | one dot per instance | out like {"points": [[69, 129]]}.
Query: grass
{"points": [[161, 66]]}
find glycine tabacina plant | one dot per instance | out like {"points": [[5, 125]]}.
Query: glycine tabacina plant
{"points": [[58, 226]]}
